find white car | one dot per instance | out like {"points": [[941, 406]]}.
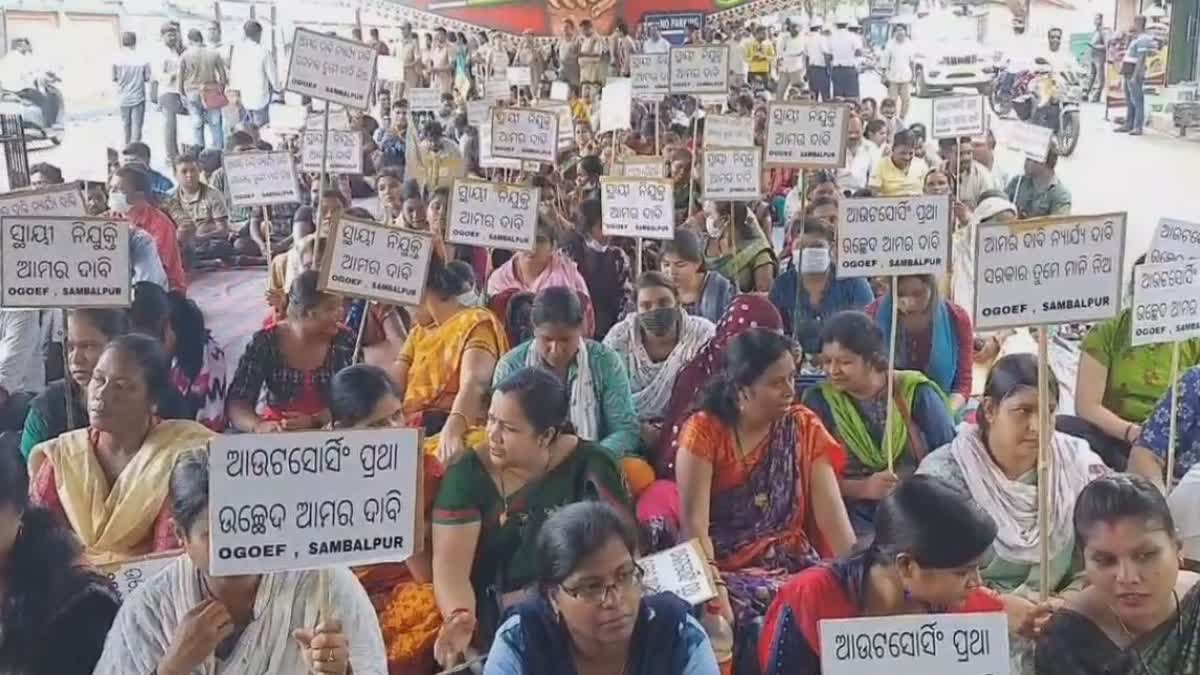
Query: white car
{"points": [[948, 64]]}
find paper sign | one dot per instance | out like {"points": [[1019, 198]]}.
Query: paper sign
{"points": [[958, 116], [1173, 240], [732, 174], [650, 75], [681, 570], [339, 120], [616, 102], [1048, 271], [890, 236], [728, 131], [345, 152], [423, 99], [560, 91], [525, 133], [642, 167], [390, 68], [519, 76], [331, 68], [486, 159], [807, 135], [60, 200], [1166, 302], [477, 112], [701, 69], [566, 121], [638, 207], [496, 90], [376, 262], [287, 118], [64, 262], [917, 644], [1031, 140], [314, 499], [261, 178], [130, 575], [492, 215]]}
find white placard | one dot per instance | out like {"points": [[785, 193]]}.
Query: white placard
{"points": [[61, 200], [345, 152], [1166, 302], [519, 76], [807, 135], [424, 99], [331, 68], [1173, 240], [643, 167], [492, 215], [616, 103], [1030, 140], [313, 499], [64, 262], [681, 570], [917, 644], [566, 121], [486, 159], [891, 236], [702, 69], [958, 116], [496, 90], [130, 575], [732, 174], [477, 112], [1048, 271], [525, 133], [287, 119], [261, 178], [390, 68], [376, 262], [651, 75], [559, 91], [728, 131], [638, 207], [339, 120]]}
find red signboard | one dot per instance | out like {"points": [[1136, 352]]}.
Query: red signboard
{"points": [[545, 17]]}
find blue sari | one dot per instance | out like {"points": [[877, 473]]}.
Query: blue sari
{"points": [[942, 366]]}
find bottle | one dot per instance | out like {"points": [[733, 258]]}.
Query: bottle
{"points": [[720, 633]]}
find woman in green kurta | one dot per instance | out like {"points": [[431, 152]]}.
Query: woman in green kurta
{"points": [[995, 461], [491, 505], [737, 248]]}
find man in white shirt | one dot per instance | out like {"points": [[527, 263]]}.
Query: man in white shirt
{"points": [[790, 53], [974, 178], [1060, 60], [408, 50], [655, 43], [844, 49], [22, 365], [816, 53], [252, 73], [897, 68], [165, 88], [861, 156]]}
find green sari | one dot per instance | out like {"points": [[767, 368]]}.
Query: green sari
{"points": [[739, 266], [853, 430]]}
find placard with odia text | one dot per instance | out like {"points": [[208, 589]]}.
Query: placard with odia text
{"points": [[64, 262], [376, 262], [638, 207], [891, 236], [807, 135], [492, 215]]}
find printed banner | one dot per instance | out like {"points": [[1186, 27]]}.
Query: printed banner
{"points": [[376, 262], [892, 236], [807, 135], [331, 68], [64, 262], [638, 207], [492, 215], [261, 178]]}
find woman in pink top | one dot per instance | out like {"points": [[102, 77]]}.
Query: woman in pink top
{"points": [[532, 271]]}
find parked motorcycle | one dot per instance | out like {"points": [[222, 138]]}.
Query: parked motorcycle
{"points": [[44, 122], [1007, 86]]}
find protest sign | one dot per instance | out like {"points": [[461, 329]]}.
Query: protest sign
{"points": [[958, 116], [728, 131], [64, 262], [732, 174], [1031, 140], [60, 200], [638, 207], [890, 236], [486, 159], [345, 152], [313, 499], [1173, 240], [616, 103], [702, 69], [496, 90], [651, 75], [339, 120], [519, 76], [423, 99], [682, 570], [807, 135], [390, 68], [477, 112], [916, 644], [130, 575], [492, 215], [331, 68], [261, 178], [559, 91], [1166, 302], [642, 167], [1048, 271], [525, 133], [566, 121], [376, 262], [288, 119]]}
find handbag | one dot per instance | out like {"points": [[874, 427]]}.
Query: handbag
{"points": [[213, 97]]}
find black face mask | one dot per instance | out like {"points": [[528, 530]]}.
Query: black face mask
{"points": [[660, 321]]}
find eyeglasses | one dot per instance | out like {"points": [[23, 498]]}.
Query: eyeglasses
{"points": [[597, 591]]}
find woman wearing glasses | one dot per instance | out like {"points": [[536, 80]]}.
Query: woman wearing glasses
{"points": [[590, 615]]}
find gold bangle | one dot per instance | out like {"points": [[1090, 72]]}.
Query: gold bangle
{"points": [[462, 415]]}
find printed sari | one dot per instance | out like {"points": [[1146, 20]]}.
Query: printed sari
{"points": [[739, 266]]}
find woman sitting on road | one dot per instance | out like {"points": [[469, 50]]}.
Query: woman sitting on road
{"points": [[736, 247], [701, 293], [544, 267]]}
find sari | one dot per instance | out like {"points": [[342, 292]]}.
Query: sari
{"points": [[762, 525], [147, 622], [1071, 644], [651, 381], [130, 517], [739, 266], [941, 361], [435, 354]]}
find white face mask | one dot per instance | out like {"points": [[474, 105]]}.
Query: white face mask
{"points": [[712, 225], [118, 202], [814, 260], [597, 245], [470, 299]]}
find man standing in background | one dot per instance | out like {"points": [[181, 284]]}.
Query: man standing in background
{"points": [[408, 50], [165, 88], [844, 48], [1097, 60], [252, 73], [1133, 68], [215, 44], [791, 60], [816, 52], [131, 72], [380, 46], [201, 76], [655, 43], [898, 69]]}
